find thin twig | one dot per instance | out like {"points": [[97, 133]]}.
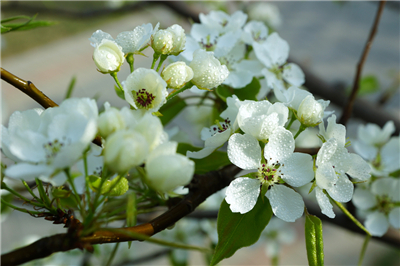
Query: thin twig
{"points": [[350, 102]]}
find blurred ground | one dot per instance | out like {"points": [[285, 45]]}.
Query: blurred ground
{"points": [[327, 37]]}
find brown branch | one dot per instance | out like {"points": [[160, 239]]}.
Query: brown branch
{"points": [[350, 102], [201, 187]]}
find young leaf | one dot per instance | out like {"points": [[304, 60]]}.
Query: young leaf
{"points": [[112, 188], [171, 109], [314, 240], [237, 230]]}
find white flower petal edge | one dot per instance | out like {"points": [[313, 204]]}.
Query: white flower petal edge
{"points": [[377, 224], [244, 151], [394, 217], [242, 194], [324, 203], [286, 203]]}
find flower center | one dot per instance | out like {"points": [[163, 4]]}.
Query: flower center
{"points": [[53, 147], [143, 99], [207, 44], [385, 205], [221, 127], [269, 172]]}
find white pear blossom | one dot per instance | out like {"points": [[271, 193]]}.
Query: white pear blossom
{"points": [[166, 170], [177, 74], [163, 42], [376, 146], [208, 71], [179, 38], [273, 53], [280, 165], [254, 31], [311, 112], [217, 135], [266, 12], [333, 164], [381, 203], [145, 89], [135, 40], [46, 142], [223, 22], [110, 121], [124, 150], [108, 56], [261, 119]]}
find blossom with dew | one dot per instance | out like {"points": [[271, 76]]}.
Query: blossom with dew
{"points": [[145, 89], [279, 165], [333, 166], [179, 38], [162, 42], [177, 74], [46, 142], [135, 40], [261, 119], [208, 71], [216, 135], [381, 204], [108, 56], [311, 112], [166, 170], [124, 150]]}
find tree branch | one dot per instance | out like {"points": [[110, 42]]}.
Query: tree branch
{"points": [[356, 86], [200, 188]]}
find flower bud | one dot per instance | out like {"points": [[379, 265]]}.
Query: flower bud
{"points": [[108, 56], [145, 89], [310, 112], [179, 38], [166, 170], [177, 75], [125, 149], [163, 42], [110, 121], [208, 71]]}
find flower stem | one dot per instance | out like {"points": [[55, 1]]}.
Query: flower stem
{"points": [[292, 119], [351, 217], [29, 190], [130, 60], [114, 75], [162, 59], [301, 129], [112, 255], [155, 58], [4, 186], [175, 92], [78, 199], [364, 248], [19, 209]]}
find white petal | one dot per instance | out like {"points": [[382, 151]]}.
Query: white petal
{"points": [[28, 146], [27, 171], [342, 191], [385, 187], [242, 194], [286, 204], [391, 155], [238, 79], [359, 169], [281, 110], [377, 224], [218, 139], [324, 203], [297, 169], [244, 151], [325, 176], [367, 151], [293, 74], [278, 49], [280, 145], [394, 217], [363, 199], [201, 153]]}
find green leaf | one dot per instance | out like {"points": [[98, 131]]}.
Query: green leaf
{"points": [[214, 161], [116, 187], [368, 84], [120, 93], [314, 240], [27, 25], [7, 198], [249, 92], [71, 87], [237, 230], [171, 109]]}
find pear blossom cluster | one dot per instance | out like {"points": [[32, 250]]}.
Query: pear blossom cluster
{"points": [[378, 200]]}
